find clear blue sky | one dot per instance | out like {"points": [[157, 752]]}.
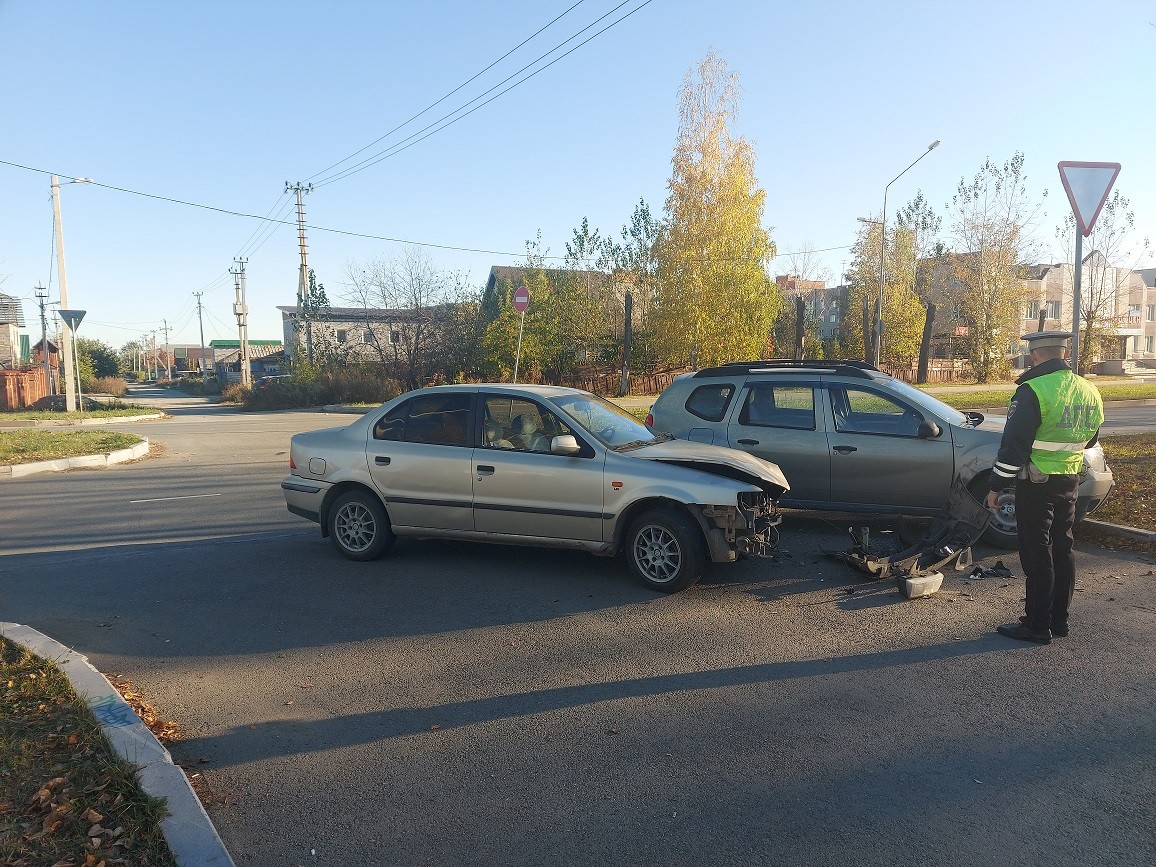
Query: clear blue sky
{"points": [[220, 103]]}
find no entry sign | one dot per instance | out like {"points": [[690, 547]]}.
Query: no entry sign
{"points": [[521, 299]]}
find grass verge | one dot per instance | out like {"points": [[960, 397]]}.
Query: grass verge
{"points": [[999, 396], [66, 798], [1133, 500], [123, 411], [38, 444]]}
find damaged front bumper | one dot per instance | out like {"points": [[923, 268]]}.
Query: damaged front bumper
{"points": [[916, 570], [751, 527]]}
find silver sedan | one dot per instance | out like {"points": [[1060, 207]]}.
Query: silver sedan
{"points": [[534, 465]]}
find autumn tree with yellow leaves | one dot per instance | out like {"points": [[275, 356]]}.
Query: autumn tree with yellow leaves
{"points": [[714, 301]]}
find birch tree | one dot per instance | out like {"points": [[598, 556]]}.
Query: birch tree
{"points": [[589, 309], [990, 220], [635, 270], [714, 300], [903, 310]]}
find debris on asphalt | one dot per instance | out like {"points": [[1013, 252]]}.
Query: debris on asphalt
{"points": [[999, 570]]}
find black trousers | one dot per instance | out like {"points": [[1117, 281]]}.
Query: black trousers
{"points": [[1045, 514]]}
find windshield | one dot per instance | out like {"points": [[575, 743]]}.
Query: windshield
{"points": [[927, 403], [609, 424]]}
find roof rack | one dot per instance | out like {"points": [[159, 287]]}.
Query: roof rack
{"points": [[846, 367]]}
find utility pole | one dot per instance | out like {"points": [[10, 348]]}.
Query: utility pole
{"points": [[241, 311], [168, 365], [42, 297], [201, 324], [62, 279], [303, 279], [154, 370]]}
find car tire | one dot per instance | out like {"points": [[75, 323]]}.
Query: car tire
{"points": [[358, 526], [1001, 531], [666, 550]]}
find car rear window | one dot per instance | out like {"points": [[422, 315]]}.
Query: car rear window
{"points": [[710, 402]]}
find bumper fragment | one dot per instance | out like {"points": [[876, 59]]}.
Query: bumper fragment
{"points": [[916, 570]]}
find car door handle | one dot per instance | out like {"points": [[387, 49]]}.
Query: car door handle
{"points": [[381, 460], [844, 450], [748, 442], [484, 470]]}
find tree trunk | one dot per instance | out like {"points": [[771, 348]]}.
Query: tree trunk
{"points": [[925, 345]]}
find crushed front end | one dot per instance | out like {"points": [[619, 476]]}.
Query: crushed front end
{"points": [[750, 527]]}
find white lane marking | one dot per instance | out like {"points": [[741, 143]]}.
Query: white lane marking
{"points": [[162, 499]]}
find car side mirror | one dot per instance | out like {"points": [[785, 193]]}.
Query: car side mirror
{"points": [[928, 430], [564, 444]]}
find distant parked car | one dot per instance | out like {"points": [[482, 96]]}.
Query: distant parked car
{"points": [[851, 438], [266, 381], [533, 465]]}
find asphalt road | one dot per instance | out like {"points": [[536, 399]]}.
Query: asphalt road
{"points": [[462, 704]]}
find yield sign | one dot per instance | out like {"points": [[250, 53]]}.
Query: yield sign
{"points": [[521, 299], [1087, 186], [72, 318]]}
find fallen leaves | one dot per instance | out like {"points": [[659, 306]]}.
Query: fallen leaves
{"points": [[66, 799]]}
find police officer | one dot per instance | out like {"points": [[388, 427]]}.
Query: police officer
{"points": [[1053, 416]]}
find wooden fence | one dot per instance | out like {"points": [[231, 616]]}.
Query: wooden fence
{"points": [[607, 381], [938, 370], [21, 388]]}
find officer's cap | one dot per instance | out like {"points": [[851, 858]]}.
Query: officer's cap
{"points": [[1044, 339]]}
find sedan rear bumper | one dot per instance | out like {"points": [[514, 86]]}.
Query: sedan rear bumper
{"points": [[304, 497]]}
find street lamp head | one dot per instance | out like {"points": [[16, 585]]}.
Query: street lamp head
{"points": [[933, 145], [869, 221]]}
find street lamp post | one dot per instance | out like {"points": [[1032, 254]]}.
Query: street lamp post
{"points": [[882, 253], [65, 331]]}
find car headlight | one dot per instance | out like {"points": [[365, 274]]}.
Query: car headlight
{"points": [[1094, 459]]}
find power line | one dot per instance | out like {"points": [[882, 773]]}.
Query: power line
{"points": [[451, 93], [293, 223], [331, 230], [395, 149], [276, 203]]}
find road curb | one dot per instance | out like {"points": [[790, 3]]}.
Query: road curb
{"points": [[188, 830], [1120, 530], [59, 465], [84, 422]]}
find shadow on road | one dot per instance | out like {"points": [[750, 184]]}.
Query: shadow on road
{"points": [[285, 737]]}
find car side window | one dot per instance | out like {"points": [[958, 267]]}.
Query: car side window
{"points": [[785, 406], [862, 411], [519, 425], [710, 402], [433, 419]]}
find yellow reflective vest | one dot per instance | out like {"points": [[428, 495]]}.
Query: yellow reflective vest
{"points": [[1071, 411]]}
